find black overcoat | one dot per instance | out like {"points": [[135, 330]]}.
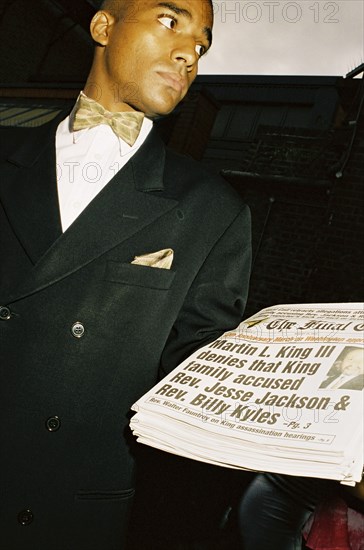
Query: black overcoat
{"points": [[83, 332]]}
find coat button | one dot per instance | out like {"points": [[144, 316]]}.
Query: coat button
{"points": [[25, 517], [5, 313], [53, 423], [78, 330]]}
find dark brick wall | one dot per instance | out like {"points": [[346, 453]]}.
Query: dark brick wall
{"points": [[308, 237], [286, 223]]}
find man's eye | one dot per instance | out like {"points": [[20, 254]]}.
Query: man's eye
{"points": [[168, 21], [200, 50]]}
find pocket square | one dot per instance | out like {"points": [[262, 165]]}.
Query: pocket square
{"points": [[162, 259]]}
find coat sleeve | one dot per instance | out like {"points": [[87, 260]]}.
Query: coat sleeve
{"points": [[216, 300]]}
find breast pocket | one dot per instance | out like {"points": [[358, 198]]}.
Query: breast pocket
{"points": [[139, 275]]}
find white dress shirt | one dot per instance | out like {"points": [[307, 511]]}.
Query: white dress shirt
{"points": [[86, 161]]}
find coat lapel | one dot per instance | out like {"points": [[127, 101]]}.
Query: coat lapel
{"points": [[126, 205], [29, 193]]}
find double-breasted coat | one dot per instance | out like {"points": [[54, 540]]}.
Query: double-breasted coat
{"points": [[83, 332]]}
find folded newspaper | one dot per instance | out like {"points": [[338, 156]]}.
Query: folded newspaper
{"points": [[283, 392]]}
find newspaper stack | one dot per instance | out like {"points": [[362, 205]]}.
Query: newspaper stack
{"points": [[281, 393]]}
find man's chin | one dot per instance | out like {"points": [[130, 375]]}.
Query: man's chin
{"points": [[164, 105], [161, 113]]}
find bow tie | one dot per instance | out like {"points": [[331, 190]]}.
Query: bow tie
{"points": [[88, 114]]}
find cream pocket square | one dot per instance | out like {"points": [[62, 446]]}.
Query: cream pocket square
{"points": [[162, 259]]}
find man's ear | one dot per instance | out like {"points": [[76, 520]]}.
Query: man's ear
{"points": [[100, 27]]}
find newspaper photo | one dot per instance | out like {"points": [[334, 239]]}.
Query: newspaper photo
{"points": [[283, 392]]}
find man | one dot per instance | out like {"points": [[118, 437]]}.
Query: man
{"points": [[347, 372], [84, 328]]}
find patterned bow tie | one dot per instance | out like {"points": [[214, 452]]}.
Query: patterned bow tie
{"points": [[88, 114]]}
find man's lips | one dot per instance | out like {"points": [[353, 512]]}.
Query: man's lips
{"points": [[174, 80]]}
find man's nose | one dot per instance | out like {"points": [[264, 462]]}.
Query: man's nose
{"points": [[185, 53]]}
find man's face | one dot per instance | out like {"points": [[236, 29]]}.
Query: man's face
{"points": [[152, 53], [353, 363]]}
